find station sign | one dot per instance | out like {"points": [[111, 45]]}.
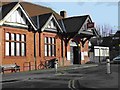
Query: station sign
{"points": [[90, 25]]}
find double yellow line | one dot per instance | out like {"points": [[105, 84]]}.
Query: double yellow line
{"points": [[71, 84]]}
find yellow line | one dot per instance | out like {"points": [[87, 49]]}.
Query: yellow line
{"points": [[69, 84], [73, 83]]}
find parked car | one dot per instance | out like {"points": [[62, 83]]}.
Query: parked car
{"points": [[116, 59]]}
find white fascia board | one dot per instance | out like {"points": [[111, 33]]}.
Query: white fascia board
{"points": [[63, 26], [57, 23], [81, 27], [27, 17], [13, 9], [1, 22], [88, 18], [43, 28], [16, 24], [7, 16], [10, 13]]}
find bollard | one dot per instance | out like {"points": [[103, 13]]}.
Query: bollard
{"points": [[108, 65], [56, 65]]}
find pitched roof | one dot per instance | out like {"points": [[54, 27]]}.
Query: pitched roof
{"points": [[62, 25], [74, 24], [30, 8], [42, 19], [6, 8], [117, 33], [35, 10]]}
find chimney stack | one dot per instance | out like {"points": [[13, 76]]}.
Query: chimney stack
{"points": [[63, 14]]}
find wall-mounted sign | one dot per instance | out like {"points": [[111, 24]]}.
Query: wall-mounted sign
{"points": [[90, 25]]}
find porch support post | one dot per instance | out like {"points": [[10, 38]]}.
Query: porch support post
{"points": [[63, 52], [35, 50], [78, 45]]}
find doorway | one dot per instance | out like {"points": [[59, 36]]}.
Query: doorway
{"points": [[76, 55]]}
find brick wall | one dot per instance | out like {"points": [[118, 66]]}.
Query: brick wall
{"points": [[58, 48], [85, 51], [40, 49], [20, 60]]}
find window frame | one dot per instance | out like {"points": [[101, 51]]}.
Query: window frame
{"points": [[14, 43], [50, 51]]}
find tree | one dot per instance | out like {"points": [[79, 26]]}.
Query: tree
{"points": [[104, 30]]}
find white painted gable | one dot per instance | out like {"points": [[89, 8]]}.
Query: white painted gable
{"points": [[16, 17], [84, 27], [51, 25]]}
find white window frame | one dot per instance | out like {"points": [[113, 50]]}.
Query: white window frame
{"points": [[12, 48], [7, 48]]}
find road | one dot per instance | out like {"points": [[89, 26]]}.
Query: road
{"points": [[92, 77]]}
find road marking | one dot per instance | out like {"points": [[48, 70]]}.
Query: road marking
{"points": [[73, 84], [69, 84], [11, 82]]}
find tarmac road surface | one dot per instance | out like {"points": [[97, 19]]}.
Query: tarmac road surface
{"points": [[72, 79]]}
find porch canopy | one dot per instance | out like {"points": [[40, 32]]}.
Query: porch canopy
{"points": [[79, 28]]}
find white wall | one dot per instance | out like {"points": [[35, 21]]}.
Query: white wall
{"points": [[101, 51]]}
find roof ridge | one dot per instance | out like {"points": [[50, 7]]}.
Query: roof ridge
{"points": [[47, 9], [35, 4], [75, 17]]}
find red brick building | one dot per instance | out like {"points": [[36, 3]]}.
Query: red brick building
{"points": [[31, 34]]}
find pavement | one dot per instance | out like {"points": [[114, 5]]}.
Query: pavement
{"points": [[99, 78], [42, 73], [74, 77]]}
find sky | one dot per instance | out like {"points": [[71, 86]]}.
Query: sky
{"points": [[102, 12]]}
